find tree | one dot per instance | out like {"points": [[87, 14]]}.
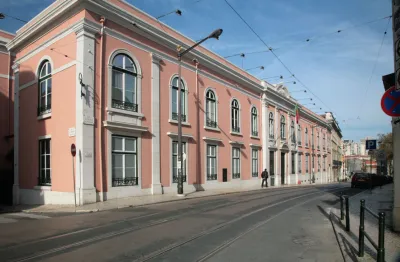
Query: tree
{"points": [[385, 142]]}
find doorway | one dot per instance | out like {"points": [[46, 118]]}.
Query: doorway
{"points": [[283, 160], [272, 167]]}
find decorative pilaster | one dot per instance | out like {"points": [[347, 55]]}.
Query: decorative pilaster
{"points": [[156, 188]]}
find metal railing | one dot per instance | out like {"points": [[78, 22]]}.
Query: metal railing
{"points": [[118, 104], [254, 133], [175, 178], [342, 213], [212, 177], [236, 175], [380, 247], [41, 110], [211, 123], [175, 117], [236, 129]]}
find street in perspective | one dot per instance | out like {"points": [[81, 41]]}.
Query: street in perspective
{"points": [[199, 130]]}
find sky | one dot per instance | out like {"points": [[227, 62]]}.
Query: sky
{"points": [[343, 70]]}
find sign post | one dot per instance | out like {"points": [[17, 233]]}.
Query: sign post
{"points": [[370, 146], [396, 40], [73, 153]]}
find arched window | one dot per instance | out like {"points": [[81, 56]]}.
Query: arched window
{"points": [[254, 122], [44, 88], [306, 136], [271, 125], [174, 99], [299, 135], [235, 116], [292, 132], [283, 124], [211, 109], [124, 83]]}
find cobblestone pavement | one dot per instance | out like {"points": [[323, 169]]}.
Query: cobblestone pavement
{"points": [[378, 200]]}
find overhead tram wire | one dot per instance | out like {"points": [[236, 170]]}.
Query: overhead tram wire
{"points": [[276, 56], [3, 15]]}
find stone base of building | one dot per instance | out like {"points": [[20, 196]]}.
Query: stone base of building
{"points": [[44, 196]]}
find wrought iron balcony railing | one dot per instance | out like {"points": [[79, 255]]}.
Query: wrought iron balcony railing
{"points": [[211, 123], [235, 175], [44, 181], [127, 181], [236, 129], [175, 117], [44, 109], [254, 174], [175, 178], [212, 176], [124, 105]]}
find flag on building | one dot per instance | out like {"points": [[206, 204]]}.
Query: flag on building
{"points": [[297, 112]]}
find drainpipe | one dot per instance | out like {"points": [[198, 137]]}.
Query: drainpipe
{"points": [[198, 158], [102, 21]]}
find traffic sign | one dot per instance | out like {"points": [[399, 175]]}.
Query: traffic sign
{"points": [[370, 145], [390, 102]]}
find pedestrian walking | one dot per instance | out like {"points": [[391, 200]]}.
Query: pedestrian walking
{"points": [[264, 176]]}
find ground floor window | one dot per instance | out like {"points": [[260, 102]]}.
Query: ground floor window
{"points": [[44, 162], [254, 162], [271, 163], [293, 163], [212, 162], [124, 161], [324, 164], [235, 162], [299, 164], [175, 162], [319, 163], [307, 163]]}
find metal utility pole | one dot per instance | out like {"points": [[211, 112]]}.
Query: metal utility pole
{"points": [[215, 35]]}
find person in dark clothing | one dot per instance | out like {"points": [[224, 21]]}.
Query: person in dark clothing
{"points": [[264, 176]]}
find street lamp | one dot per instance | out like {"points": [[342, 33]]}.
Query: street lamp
{"points": [[215, 34], [261, 67]]}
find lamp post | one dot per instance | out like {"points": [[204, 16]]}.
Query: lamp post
{"points": [[215, 34]]}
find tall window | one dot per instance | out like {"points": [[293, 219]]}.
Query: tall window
{"points": [[293, 163], [174, 97], [283, 124], [254, 122], [319, 163], [306, 136], [323, 141], [271, 163], [44, 88], [211, 109], [211, 162], [317, 140], [307, 167], [299, 135], [292, 132], [312, 137], [235, 162], [324, 164], [124, 161], [44, 162], [235, 116], [299, 164], [124, 83], [175, 162], [254, 162], [271, 125]]}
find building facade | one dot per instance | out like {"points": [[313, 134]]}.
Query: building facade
{"points": [[108, 84], [337, 148]]}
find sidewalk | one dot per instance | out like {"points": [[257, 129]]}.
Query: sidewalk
{"points": [[378, 200], [133, 201]]}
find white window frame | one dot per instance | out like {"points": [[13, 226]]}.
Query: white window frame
{"points": [[235, 158], [282, 127], [306, 144], [206, 162], [232, 117], [185, 164], [252, 150], [185, 93], [299, 167], [216, 109], [299, 135], [46, 79], [292, 132], [271, 127], [254, 122], [307, 160], [42, 166], [124, 153], [293, 163]]}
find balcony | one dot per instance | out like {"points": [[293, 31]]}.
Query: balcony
{"points": [[175, 117], [211, 123], [43, 109], [236, 129], [254, 133], [127, 181], [211, 177], [236, 175], [124, 105], [175, 178]]}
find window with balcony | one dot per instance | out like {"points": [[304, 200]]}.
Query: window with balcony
{"points": [[254, 162], [124, 161], [283, 130], [124, 83], [299, 164], [254, 122], [235, 162], [174, 99], [44, 88], [271, 125], [292, 132], [299, 135], [306, 136], [235, 116], [307, 167], [211, 109], [211, 162], [318, 140], [293, 163], [44, 162]]}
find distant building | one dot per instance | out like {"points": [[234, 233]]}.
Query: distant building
{"points": [[336, 146], [357, 158]]}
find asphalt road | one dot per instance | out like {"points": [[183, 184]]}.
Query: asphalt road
{"points": [[274, 224]]}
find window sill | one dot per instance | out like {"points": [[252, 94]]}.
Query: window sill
{"points": [[299, 146], [176, 122], [44, 188], [44, 116], [212, 128], [124, 112], [236, 134], [255, 137]]}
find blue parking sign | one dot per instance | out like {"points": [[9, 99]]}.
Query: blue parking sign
{"points": [[370, 144]]}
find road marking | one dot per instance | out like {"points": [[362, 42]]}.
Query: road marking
{"points": [[28, 215], [5, 220]]}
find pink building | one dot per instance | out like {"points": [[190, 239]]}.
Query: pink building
{"points": [[108, 84]]}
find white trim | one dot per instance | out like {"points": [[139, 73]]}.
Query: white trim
{"points": [[6, 32], [255, 146], [186, 92], [63, 67], [6, 76], [171, 121], [44, 137], [236, 143], [211, 143], [31, 83], [123, 126], [44, 116], [111, 110], [212, 140], [212, 128], [44, 188], [255, 137], [240, 162], [236, 134], [171, 140], [175, 136], [251, 120], [214, 90], [239, 116], [258, 162]]}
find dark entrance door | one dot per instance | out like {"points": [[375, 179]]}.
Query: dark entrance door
{"points": [[272, 167], [283, 168]]}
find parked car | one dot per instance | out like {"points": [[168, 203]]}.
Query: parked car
{"points": [[361, 180], [388, 179]]}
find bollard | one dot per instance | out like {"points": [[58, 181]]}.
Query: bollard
{"points": [[361, 230], [347, 214], [381, 243], [341, 206]]}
